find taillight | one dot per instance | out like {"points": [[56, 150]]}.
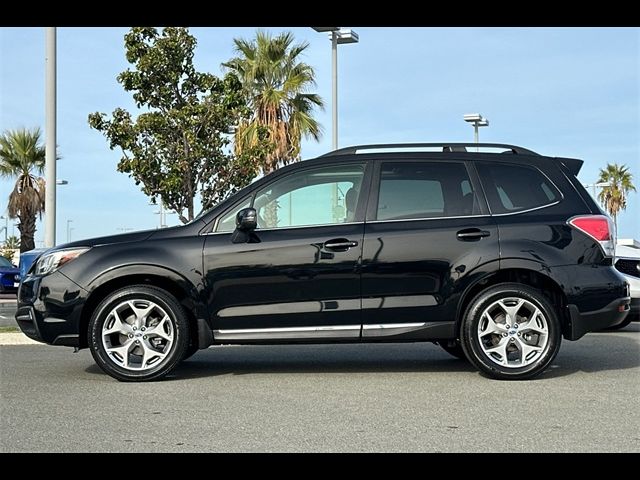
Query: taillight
{"points": [[598, 227]]}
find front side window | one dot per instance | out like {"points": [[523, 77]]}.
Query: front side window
{"points": [[425, 190], [227, 222], [319, 196], [512, 188]]}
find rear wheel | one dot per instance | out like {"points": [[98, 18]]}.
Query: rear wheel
{"points": [[511, 332], [138, 333]]}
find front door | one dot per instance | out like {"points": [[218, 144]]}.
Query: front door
{"points": [[300, 276], [427, 234]]}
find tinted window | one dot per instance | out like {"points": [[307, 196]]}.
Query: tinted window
{"points": [[425, 190], [321, 196], [513, 188]]}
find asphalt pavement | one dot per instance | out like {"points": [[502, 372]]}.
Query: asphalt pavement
{"points": [[393, 397]]}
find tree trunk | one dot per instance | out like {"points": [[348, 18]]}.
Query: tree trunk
{"points": [[27, 228]]}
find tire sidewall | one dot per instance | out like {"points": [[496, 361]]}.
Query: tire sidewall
{"points": [[471, 342], [173, 309]]}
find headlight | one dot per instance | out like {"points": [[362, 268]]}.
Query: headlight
{"points": [[50, 262]]}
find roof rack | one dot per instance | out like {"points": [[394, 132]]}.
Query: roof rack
{"points": [[445, 147]]}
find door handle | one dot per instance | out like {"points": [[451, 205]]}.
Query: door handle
{"points": [[340, 244], [470, 234]]}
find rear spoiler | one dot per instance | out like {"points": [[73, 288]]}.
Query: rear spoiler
{"points": [[573, 164]]}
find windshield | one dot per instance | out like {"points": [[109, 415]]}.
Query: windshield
{"points": [[5, 263]]}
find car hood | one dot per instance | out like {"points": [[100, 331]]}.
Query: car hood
{"points": [[177, 231], [119, 238]]}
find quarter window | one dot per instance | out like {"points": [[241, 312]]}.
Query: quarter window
{"points": [[512, 188], [425, 190]]}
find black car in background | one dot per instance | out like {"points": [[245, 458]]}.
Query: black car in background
{"points": [[494, 255]]}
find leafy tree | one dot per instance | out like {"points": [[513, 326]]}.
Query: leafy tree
{"points": [[177, 147], [614, 196], [277, 84], [22, 156]]}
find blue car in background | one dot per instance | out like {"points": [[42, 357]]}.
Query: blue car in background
{"points": [[9, 276], [27, 259]]}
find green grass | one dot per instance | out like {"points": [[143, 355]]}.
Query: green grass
{"points": [[9, 329]]}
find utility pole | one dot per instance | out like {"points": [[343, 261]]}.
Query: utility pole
{"points": [[50, 143]]}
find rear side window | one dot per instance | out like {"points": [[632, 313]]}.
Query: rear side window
{"points": [[425, 190], [513, 188]]}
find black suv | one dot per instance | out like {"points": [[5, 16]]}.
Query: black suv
{"points": [[495, 256]]}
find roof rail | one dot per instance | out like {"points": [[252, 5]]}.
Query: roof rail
{"points": [[446, 147]]}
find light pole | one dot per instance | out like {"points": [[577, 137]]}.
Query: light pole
{"points": [[69, 230], [478, 121], [6, 227], [338, 37], [593, 186], [50, 141]]}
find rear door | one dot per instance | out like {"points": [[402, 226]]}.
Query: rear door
{"points": [[427, 235]]}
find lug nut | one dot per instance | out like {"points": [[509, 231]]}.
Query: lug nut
{"points": [[504, 334], [145, 337], [512, 340], [143, 329], [519, 333], [137, 342], [515, 325], [508, 326], [131, 335], [135, 328]]}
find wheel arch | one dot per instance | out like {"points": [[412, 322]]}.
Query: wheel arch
{"points": [[178, 286], [526, 273]]}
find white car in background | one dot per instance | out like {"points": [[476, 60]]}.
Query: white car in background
{"points": [[628, 263]]}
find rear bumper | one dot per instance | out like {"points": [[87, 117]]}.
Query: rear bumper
{"points": [[634, 311], [611, 315]]}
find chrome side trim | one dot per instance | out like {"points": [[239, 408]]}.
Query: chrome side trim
{"points": [[331, 331], [399, 301], [289, 308], [388, 329]]}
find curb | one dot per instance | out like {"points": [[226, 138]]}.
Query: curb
{"points": [[16, 338]]}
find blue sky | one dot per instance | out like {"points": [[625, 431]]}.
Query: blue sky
{"points": [[571, 92]]}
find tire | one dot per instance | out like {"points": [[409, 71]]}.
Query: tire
{"points": [[454, 348], [524, 349], [117, 337]]}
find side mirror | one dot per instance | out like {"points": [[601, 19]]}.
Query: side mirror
{"points": [[247, 220]]}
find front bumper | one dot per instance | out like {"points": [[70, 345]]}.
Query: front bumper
{"points": [[49, 309]]}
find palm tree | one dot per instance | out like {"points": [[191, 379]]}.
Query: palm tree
{"points": [[22, 154], [277, 85], [12, 242], [614, 196]]}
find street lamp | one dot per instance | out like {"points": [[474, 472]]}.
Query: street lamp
{"points": [[6, 227], [593, 186], [478, 121], [50, 140], [69, 230], [338, 37]]}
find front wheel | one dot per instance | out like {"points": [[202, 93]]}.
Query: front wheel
{"points": [[138, 333], [511, 332]]}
